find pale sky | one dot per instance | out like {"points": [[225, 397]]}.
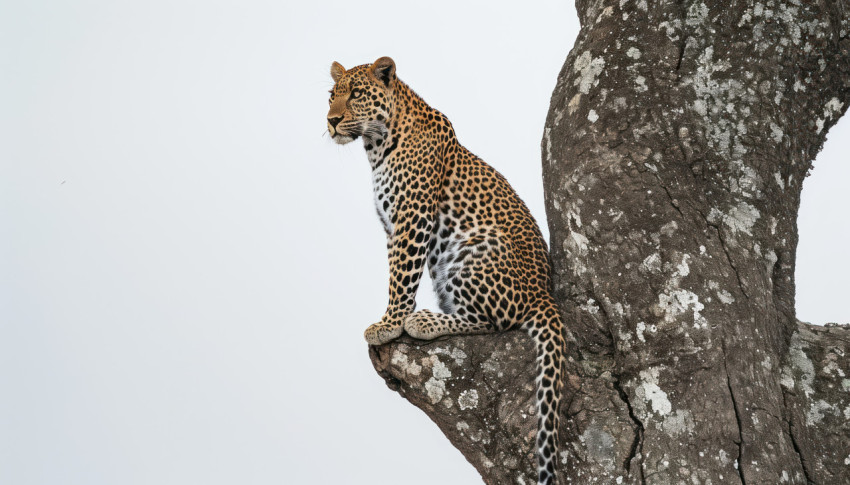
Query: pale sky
{"points": [[187, 263]]}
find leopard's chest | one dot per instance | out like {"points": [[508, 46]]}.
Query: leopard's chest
{"points": [[384, 195], [384, 183]]}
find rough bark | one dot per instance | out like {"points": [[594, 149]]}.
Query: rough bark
{"points": [[477, 391], [677, 141]]}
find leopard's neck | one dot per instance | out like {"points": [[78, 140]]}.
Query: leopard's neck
{"points": [[413, 122]]}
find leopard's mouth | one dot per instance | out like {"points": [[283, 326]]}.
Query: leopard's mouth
{"points": [[343, 138]]}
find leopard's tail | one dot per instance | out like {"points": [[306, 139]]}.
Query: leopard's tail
{"points": [[547, 331]]}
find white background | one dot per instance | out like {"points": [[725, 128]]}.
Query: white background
{"points": [[187, 262]]}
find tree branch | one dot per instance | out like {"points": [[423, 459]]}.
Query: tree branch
{"points": [[479, 390]]}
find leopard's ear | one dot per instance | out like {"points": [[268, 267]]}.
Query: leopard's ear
{"points": [[384, 70], [337, 71]]}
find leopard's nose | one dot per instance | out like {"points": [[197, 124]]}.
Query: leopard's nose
{"points": [[333, 121]]}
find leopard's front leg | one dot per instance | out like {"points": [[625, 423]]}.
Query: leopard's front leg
{"points": [[407, 247]]}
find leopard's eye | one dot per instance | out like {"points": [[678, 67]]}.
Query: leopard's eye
{"points": [[355, 93]]}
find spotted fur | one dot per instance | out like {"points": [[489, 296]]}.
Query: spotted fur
{"points": [[441, 204]]}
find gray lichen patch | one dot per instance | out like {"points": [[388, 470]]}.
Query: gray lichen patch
{"points": [[598, 446], [458, 355], [650, 398], [697, 14], [640, 84], [678, 423], [830, 109], [674, 302], [740, 218], [725, 297], [435, 387], [400, 360], [712, 95], [572, 106], [651, 264], [818, 409], [801, 370], [476, 435], [468, 399], [722, 101], [776, 132], [587, 68], [438, 369], [833, 368]]}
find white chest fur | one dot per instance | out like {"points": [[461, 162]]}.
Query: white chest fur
{"points": [[381, 182], [384, 198]]}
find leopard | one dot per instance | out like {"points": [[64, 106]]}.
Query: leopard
{"points": [[444, 208]]}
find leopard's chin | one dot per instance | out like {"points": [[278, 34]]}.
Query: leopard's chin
{"points": [[343, 139]]}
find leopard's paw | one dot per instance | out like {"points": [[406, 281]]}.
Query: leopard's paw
{"points": [[420, 325], [382, 332]]}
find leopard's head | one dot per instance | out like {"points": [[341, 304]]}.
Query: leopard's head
{"points": [[361, 100]]}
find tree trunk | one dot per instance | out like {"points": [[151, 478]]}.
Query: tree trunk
{"points": [[677, 141]]}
